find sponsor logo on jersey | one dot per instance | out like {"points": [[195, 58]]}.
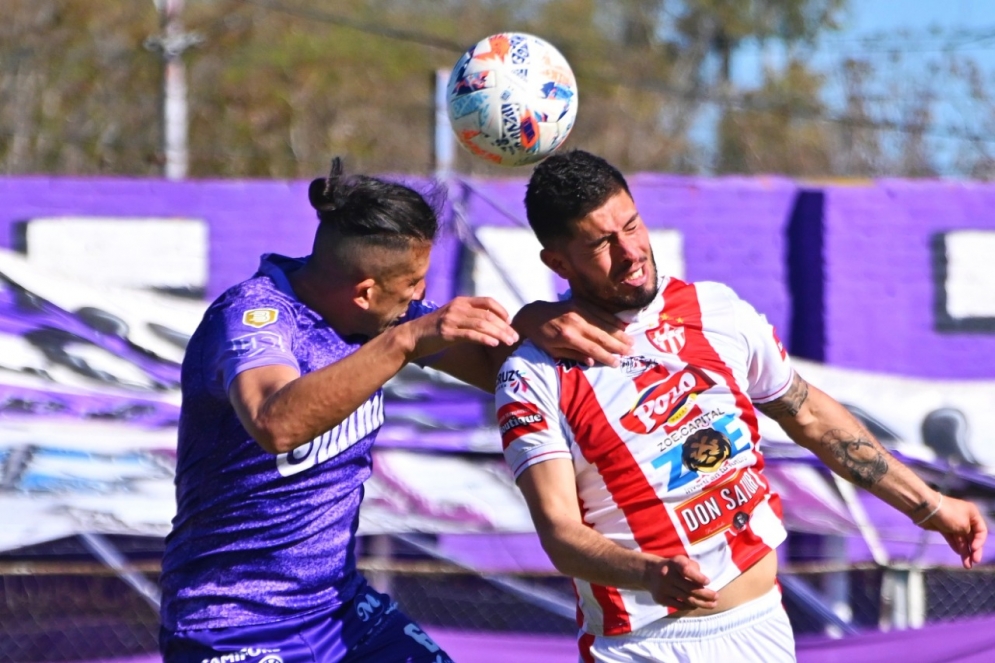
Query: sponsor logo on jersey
{"points": [[256, 343], [728, 505], [667, 338], [367, 606], [706, 451], [634, 365], [516, 419], [682, 430], [247, 654], [260, 317], [513, 379], [367, 419], [663, 402]]}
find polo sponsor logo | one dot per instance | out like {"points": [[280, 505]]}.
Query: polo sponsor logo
{"points": [[260, 317], [367, 419], [726, 506], [663, 402], [517, 419], [667, 338]]}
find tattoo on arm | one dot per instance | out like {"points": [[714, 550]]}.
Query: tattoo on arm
{"points": [[920, 509], [789, 404], [864, 460]]}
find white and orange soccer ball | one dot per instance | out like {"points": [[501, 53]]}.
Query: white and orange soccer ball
{"points": [[512, 99]]}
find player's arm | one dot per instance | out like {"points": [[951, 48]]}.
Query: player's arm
{"points": [[819, 423], [565, 330], [282, 409], [578, 551]]}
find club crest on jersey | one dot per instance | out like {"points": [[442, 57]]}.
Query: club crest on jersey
{"points": [[260, 317], [516, 419], [668, 401], [705, 451], [667, 337]]}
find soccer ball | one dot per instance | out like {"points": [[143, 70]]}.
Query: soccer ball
{"points": [[512, 99]]}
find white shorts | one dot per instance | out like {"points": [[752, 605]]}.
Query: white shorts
{"points": [[756, 632]]}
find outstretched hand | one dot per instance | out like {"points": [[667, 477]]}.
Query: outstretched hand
{"points": [[574, 330], [962, 525], [679, 583], [473, 319]]}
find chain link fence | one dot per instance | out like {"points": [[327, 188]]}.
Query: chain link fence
{"points": [[58, 609]]}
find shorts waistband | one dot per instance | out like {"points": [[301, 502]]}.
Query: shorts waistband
{"points": [[696, 628]]}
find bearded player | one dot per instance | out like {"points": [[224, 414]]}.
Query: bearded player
{"points": [[645, 480]]}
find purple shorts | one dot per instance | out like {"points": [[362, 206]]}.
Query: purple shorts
{"points": [[370, 627]]}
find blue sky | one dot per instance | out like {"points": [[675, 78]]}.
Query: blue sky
{"points": [[919, 30]]}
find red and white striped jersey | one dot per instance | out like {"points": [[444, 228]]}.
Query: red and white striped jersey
{"points": [[665, 446]]}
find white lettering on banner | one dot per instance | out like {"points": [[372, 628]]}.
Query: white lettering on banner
{"points": [[367, 419]]}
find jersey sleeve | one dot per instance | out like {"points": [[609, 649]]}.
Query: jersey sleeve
{"points": [[417, 309], [250, 334], [769, 367], [528, 416]]}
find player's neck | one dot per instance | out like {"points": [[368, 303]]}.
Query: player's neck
{"points": [[323, 294]]}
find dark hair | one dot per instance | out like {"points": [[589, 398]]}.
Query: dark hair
{"points": [[371, 210], [567, 187]]}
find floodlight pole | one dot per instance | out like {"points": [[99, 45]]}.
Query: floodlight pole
{"points": [[171, 44]]}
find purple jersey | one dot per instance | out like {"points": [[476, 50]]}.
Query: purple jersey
{"points": [[257, 537]]}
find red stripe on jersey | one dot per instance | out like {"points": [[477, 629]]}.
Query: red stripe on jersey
{"points": [[615, 618], [645, 513], [584, 643], [680, 304], [746, 547]]}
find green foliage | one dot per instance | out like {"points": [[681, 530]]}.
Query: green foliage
{"points": [[277, 87]]}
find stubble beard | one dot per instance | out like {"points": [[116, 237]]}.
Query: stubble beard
{"points": [[615, 301]]}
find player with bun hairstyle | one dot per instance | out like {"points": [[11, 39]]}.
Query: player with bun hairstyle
{"points": [[645, 479], [282, 402]]}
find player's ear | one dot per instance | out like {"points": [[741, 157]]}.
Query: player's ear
{"points": [[556, 262], [363, 293]]}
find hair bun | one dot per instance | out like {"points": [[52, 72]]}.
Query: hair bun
{"points": [[316, 196], [321, 192]]}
